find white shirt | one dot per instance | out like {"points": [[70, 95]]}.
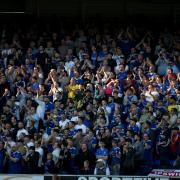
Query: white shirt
{"points": [[74, 118], [45, 137], [6, 52], [82, 126], [117, 58], [69, 65], [108, 109], [49, 51], [149, 96], [9, 145], [129, 99], [29, 144], [55, 154], [41, 153], [116, 69], [55, 92], [63, 124], [20, 132], [173, 119], [41, 108]]}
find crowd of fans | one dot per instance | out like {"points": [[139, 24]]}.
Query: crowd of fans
{"points": [[89, 101]]}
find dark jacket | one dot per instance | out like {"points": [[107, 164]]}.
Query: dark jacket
{"points": [[128, 163], [49, 167], [32, 163]]}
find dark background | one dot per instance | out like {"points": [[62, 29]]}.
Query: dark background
{"points": [[131, 11]]}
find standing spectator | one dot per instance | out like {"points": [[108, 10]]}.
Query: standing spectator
{"points": [[128, 158], [14, 161], [9, 143], [102, 152], [64, 158], [49, 164], [32, 160], [139, 153], [40, 150], [42, 60], [56, 153], [148, 159], [115, 158], [163, 142], [80, 125], [21, 131], [85, 156], [73, 152], [175, 141], [2, 156]]}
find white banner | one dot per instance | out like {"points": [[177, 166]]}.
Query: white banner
{"points": [[165, 172]]}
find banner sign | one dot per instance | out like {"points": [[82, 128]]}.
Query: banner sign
{"points": [[74, 177], [165, 172], [103, 178]]}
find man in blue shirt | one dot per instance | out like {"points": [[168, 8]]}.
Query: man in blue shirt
{"points": [[49, 105], [133, 127], [91, 141], [73, 152], [35, 84], [122, 75], [72, 130], [14, 161], [103, 53], [111, 106], [94, 55], [148, 145], [102, 152]]}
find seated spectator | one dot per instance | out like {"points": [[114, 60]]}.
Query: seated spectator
{"points": [[101, 168]]}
